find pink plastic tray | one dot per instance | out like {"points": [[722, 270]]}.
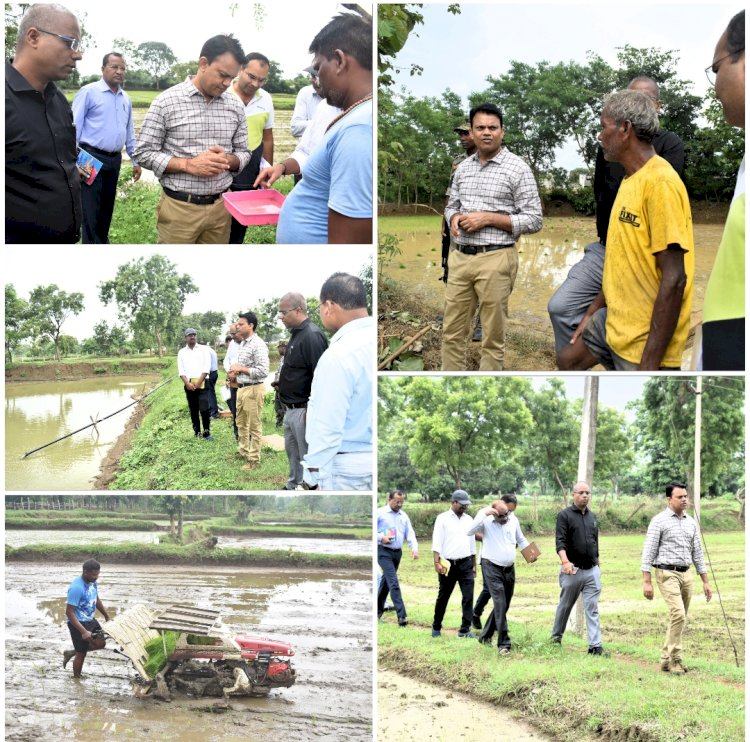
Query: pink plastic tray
{"points": [[254, 207]]}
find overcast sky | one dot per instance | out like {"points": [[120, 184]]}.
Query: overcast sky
{"points": [[229, 278], [459, 52], [282, 35]]}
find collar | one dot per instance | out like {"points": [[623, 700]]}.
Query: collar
{"points": [[352, 326], [104, 88], [498, 156], [676, 515], [19, 84]]}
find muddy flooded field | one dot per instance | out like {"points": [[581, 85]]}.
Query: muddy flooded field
{"points": [[417, 712], [325, 615], [544, 261], [354, 547]]}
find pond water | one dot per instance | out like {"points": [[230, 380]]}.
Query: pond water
{"points": [[325, 614], [37, 413], [544, 261], [22, 537]]}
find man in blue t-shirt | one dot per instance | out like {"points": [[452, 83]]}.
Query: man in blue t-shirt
{"points": [[333, 202], [82, 603]]}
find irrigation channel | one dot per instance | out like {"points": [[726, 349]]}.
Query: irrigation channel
{"points": [[324, 613], [39, 412]]}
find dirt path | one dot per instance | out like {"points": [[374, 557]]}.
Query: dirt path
{"points": [[412, 711]]}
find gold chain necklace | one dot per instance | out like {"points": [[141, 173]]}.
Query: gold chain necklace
{"points": [[343, 113]]}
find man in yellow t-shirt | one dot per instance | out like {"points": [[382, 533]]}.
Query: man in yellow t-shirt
{"points": [[640, 320]]}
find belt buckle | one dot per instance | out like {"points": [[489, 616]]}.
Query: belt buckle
{"points": [[470, 250]]}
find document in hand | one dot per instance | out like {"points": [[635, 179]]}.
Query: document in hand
{"points": [[531, 552], [88, 165]]}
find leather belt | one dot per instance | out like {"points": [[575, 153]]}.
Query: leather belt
{"points": [[672, 567], [474, 249], [91, 148], [295, 406], [252, 383], [191, 198]]}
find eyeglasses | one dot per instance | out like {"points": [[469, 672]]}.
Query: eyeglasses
{"points": [[117, 67], [256, 80], [76, 45], [284, 312], [712, 70]]}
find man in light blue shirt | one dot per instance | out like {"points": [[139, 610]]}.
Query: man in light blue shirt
{"points": [[394, 527], [103, 116], [501, 536], [339, 412], [333, 202]]}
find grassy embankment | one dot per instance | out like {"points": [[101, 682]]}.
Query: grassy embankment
{"points": [[568, 694], [164, 454], [624, 514], [195, 554], [217, 526], [82, 366], [144, 98]]}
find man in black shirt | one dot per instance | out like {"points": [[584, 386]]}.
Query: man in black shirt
{"points": [[42, 183], [569, 303], [306, 345], [577, 544]]}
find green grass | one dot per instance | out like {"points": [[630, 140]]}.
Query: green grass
{"points": [[65, 522], [573, 696], [134, 217], [194, 554], [164, 455], [424, 223], [621, 514], [227, 526], [144, 98]]}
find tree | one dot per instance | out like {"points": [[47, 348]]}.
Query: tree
{"points": [[149, 296], [174, 506], [462, 423], [615, 452], [665, 417], [156, 57], [552, 444], [51, 307], [17, 317], [105, 341], [208, 324]]}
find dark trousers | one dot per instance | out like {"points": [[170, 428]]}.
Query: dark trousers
{"points": [[98, 199], [213, 403], [278, 407], [389, 559], [232, 402], [501, 581], [483, 599], [460, 572], [198, 405]]}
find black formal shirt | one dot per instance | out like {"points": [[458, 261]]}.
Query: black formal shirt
{"points": [[609, 175], [578, 534], [305, 348], [42, 183]]}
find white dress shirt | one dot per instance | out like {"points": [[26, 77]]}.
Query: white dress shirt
{"points": [[449, 537], [191, 363], [500, 539]]}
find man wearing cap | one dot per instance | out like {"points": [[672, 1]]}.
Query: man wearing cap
{"points": [[577, 545], [194, 366], [450, 542], [494, 200], [499, 542], [672, 545], [394, 527]]}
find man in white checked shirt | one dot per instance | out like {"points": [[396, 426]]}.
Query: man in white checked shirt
{"points": [[672, 545], [493, 201], [194, 137]]}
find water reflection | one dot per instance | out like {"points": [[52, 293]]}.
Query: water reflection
{"points": [[38, 413]]}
